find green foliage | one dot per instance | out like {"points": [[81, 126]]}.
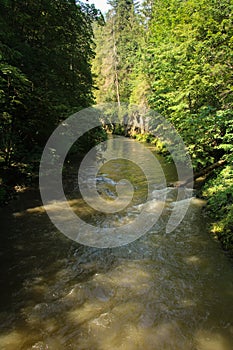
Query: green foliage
{"points": [[219, 190], [189, 62], [46, 48], [13, 99], [148, 138], [176, 57], [88, 141], [103, 65], [117, 52], [144, 138]]}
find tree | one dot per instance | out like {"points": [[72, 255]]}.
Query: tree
{"points": [[45, 71], [117, 47], [189, 59]]}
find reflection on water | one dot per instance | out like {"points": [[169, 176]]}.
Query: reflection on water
{"points": [[163, 291]]}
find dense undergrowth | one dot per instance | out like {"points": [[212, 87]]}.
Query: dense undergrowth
{"points": [[218, 190]]}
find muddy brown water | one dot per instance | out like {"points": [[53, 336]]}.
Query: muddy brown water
{"points": [[161, 292]]}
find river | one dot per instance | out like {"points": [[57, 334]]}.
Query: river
{"points": [[164, 291]]}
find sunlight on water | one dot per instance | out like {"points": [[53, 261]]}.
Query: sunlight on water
{"points": [[212, 341], [162, 292]]}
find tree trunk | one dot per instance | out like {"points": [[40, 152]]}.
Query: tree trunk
{"points": [[204, 172], [115, 66]]}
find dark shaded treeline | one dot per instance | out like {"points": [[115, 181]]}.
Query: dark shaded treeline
{"points": [[46, 48]]}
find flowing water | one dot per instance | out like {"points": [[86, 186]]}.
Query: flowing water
{"points": [[164, 291]]}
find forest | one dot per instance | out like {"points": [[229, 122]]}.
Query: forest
{"points": [[46, 53], [175, 57]]}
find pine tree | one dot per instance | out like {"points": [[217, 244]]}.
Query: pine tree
{"points": [[116, 52]]}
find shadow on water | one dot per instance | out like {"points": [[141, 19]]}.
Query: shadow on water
{"points": [[161, 292]]}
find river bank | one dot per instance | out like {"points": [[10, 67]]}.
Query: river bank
{"points": [[215, 185]]}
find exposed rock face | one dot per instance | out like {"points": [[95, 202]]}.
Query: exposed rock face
{"points": [[135, 123], [131, 122]]}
